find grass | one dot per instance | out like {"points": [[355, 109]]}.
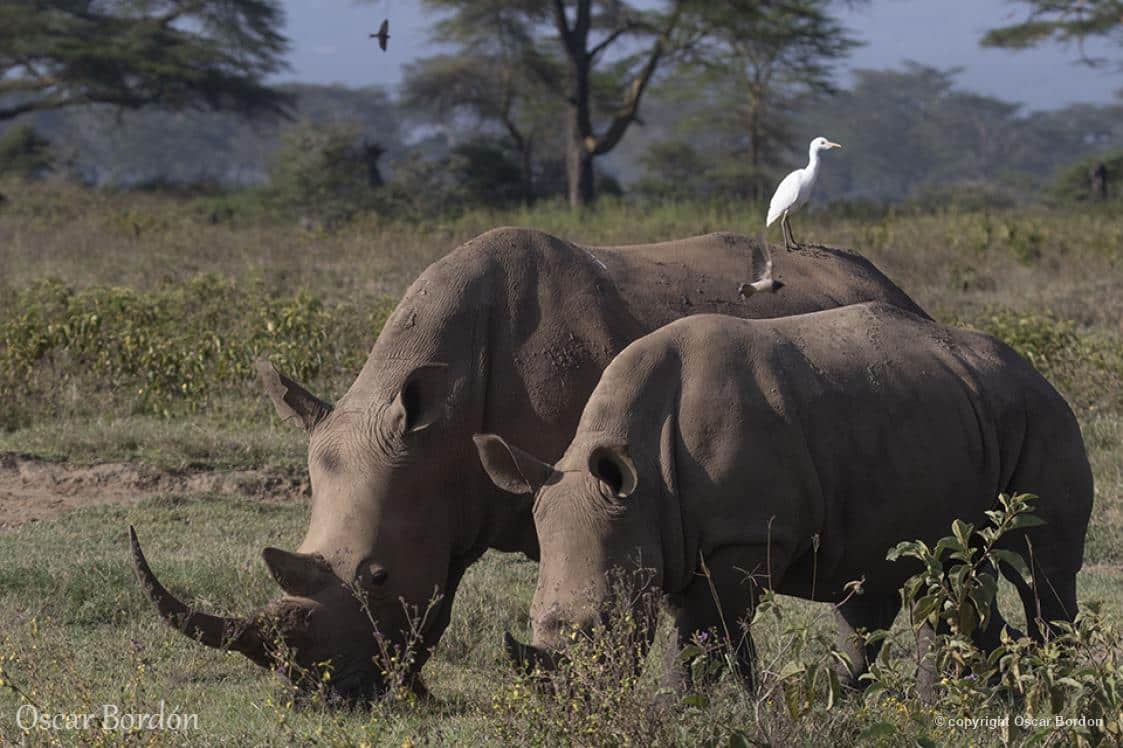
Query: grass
{"points": [[84, 635], [1047, 281]]}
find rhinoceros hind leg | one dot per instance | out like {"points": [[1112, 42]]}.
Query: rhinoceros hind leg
{"points": [[1052, 597], [860, 615]]}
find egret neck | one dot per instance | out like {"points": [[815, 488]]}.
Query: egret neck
{"points": [[812, 170]]}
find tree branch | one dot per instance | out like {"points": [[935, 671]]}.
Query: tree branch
{"points": [[563, 24], [630, 110], [608, 40], [25, 85], [38, 105]]}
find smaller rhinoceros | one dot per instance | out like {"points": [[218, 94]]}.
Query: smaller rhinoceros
{"points": [[799, 450]]}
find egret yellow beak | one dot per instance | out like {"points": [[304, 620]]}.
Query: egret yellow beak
{"points": [[833, 145]]}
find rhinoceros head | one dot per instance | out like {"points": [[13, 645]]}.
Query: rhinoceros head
{"points": [[593, 521], [375, 556]]}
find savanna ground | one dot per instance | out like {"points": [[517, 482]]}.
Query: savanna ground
{"points": [[127, 324]]}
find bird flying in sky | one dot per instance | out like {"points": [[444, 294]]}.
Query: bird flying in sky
{"points": [[383, 34]]}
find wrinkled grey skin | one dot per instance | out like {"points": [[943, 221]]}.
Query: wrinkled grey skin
{"points": [[745, 443], [510, 333]]}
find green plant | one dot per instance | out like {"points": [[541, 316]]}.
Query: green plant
{"points": [[1085, 367], [324, 172], [1074, 676], [596, 696], [24, 153], [168, 351], [1080, 183]]}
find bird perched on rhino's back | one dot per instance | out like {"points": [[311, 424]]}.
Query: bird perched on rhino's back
{"points": [[795, 190]]}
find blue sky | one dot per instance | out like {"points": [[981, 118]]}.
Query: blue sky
{"points": [[330, 45]]}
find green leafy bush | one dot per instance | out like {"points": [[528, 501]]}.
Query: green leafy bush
{"points": [[1075, 676], [24, 153], [1076, 183], [171, 349], [1083, 366], [325, 172]]}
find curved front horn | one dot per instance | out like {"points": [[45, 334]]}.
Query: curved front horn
{"points": [[237, 634]]}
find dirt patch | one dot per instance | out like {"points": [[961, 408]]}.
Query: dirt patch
{"points": [[32, 490]]}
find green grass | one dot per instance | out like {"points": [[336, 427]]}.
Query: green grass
{"points": [[1049, 282], [84, 635]]}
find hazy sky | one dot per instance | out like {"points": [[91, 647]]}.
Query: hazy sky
{"points": [[330, 45]]}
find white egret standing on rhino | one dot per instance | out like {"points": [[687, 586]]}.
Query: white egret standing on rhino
{"points": [[795, 190]]}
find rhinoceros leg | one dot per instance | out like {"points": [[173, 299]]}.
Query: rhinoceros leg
{"points": [[716, 603], [989, 637], [1052, 597], [856, 616]]}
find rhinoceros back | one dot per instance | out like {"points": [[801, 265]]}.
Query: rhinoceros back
{"points": [[862, 426]]}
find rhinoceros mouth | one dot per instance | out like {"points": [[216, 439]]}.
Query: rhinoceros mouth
{"points": [[227, 633], [529, 659]]}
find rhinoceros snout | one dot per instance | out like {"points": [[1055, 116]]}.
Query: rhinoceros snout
{"points": [[528, 658]]}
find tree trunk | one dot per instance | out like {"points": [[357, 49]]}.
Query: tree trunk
{"points": [[578, 157], [526, 166], [580, 174]]}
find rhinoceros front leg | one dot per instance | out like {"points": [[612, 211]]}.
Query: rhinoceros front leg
{"points": [[857, 616], [714, 608]]}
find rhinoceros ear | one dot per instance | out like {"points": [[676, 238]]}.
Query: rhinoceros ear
{"points": [[423, 399], [289, 398], [299, 574], [612, 466], [509, 467]]}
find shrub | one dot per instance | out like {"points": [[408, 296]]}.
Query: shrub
{"points": [[596, 696], [170, 350], [1075, 676], [1084, 367], [324, 172], [1076, 183], [24, 153]]}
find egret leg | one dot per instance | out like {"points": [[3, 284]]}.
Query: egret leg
{"points": [[791, 235]]}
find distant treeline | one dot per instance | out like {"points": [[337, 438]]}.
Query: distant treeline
{"points": [[909, 134], [105, 146]]}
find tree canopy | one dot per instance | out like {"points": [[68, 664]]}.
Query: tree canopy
{"points": [[178, 54], [495, 82], [754, 61], [593, 58], [1063, 21]]}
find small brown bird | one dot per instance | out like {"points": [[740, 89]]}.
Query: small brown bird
{"points": [[383, 34]]}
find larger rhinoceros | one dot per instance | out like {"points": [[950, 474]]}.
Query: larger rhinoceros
{"points": [[799, 450], [510, 332]]}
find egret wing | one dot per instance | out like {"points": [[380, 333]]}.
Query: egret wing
{"points": [[786, 195]]}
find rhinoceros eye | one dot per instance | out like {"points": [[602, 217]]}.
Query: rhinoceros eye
{"points": [[376, 577]]}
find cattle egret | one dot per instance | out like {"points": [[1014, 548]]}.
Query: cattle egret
{"points": [[796, 188]]}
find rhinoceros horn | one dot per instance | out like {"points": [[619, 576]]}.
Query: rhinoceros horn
{"points": [[527, 658], [237, 634]]}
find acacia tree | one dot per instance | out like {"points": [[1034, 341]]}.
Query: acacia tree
{"points": [[764, 55], [595, 57], [495, 79], [587, 32], [1063, 21], [178, 54]]}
